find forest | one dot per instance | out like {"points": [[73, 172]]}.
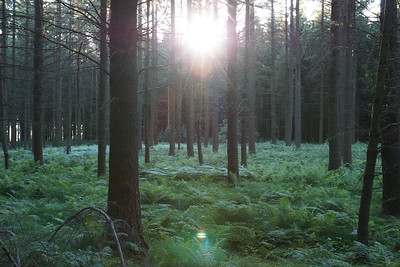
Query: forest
{"points": [[199, 133]]}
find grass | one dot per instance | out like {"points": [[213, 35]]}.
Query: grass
{"points": [[286, 210]]}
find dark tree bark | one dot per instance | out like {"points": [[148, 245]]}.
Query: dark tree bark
{"points": [[272, 79], [78, 100], [37, 131], [172, 85], [334, 155], [102, 98], [189, 101], [2, 83], [232, 139], [390, 134], [215, 98], [349, 124], [147, 94], [12, 102], [297, 80], [251, 83], [374, 134], [290, 78], [123, 190], [322, 77], [58, 86]]}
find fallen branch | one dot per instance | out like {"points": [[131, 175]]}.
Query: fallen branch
{"points": [[108, 219], [15, 262]]}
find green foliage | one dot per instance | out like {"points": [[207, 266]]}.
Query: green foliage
{"points": [[287, 209]]}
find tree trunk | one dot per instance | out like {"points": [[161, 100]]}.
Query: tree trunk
{"points": [[372, 151], [172, 86], [334, 155], [251, 83], [78, 107], [38, 59], [297, 80], [189, 101], [232, 139], [3, 133], [349, 84], [390, 134], [58, 96], [272, 79], [123, 189], [322, 77], [102, 87], [290, 88], [147, 94]]}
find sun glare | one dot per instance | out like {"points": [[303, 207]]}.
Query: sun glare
{"points": [[202, 36]]}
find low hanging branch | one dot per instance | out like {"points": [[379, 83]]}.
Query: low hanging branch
{"points": [[108, 219]]}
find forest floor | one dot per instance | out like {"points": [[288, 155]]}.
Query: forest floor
{"points": [[286, 209]]}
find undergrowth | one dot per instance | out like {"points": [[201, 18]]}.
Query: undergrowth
{"points": [[286, 210]]}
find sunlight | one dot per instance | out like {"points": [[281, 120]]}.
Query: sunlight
{"points": [[202, 36]]}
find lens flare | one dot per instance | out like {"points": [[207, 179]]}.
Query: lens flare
{"points": [[201, 236]]}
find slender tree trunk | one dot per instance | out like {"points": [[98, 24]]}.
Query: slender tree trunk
{"points": [[199, 148], [374, 134], [38, 83], [3, 133], [172, 85], [13, 94], [251, 83], [273, 84], [334, 155], [390, 123], [232, 139], [154, 62], [297, 80], [322, 77], [102, 87], [147, 94], [78, 107], [289, 108], [123, 190], [349, 85], [189, 101], [68, 121], [141, 88], [58, 86]]}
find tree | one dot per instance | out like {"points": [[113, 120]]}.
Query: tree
{"points": [[251, 79], [390, 133], [297, 80], [374, 134], [334, 154], [103, 86], [172, 85], [58, 86], [273, 84], [38, 57], [189, 101], [290, 77], [123, 189], [2, 83], [232, 139]]}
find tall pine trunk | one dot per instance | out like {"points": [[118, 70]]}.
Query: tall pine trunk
{"points": [[232, 139], [390, 134], [38, 58], [333, 139], [123, 189], [374, 134], [102, 87]]}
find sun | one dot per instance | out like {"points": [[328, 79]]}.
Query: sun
{"points": [[203, 37]]}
